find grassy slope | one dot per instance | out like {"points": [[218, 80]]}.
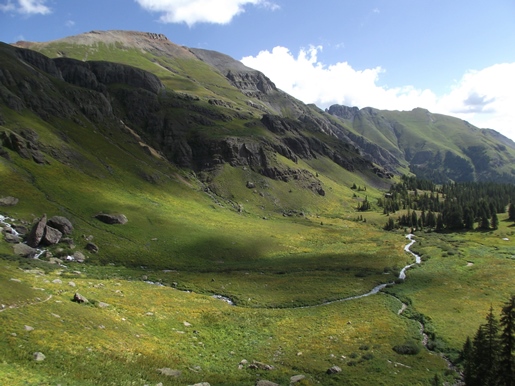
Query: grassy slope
{"points": [[210, 248]]}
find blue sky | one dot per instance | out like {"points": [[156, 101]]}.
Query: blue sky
{"points": [[453, 57]]}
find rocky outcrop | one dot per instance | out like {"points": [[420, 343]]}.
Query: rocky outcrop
{"points": [[97, 75], [25, 144]]}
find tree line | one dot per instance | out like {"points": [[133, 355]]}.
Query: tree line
{"points": [[488, 358], [452, 206]]}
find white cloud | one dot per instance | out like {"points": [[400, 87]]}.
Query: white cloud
{"points": [[69, 23], [200, 11], [485, 98], [27, 7]]}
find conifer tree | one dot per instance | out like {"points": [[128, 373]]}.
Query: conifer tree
{"points": [[511, 212], [507, 341], [494, 222]]}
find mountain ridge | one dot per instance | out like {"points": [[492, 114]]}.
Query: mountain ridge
{"points": [[396, 142]]}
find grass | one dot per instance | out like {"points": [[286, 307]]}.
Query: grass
{"points": [[143, 330]]}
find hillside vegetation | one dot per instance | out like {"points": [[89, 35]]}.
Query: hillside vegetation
{"points": [[253, 221]]}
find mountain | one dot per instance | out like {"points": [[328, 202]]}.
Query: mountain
{"points": [[433, 146], [220, 97]]}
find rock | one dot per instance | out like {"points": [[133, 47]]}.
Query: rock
{"points": [[78, 298], [255, 365], [201, 384], [29, 328], [112, 218], [264, 382], [72, 284], [39, 356], [170, 372], [79, 257], [251, 185], [186, 324], [11, 238], [334, 370], [24, 250], [62, 224], [102, 305], [21, 229], [297, 378], [37, 232], [51, 236], [57, 281], [8, 201], [92, 247]]}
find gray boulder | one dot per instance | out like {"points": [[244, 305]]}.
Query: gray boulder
{"points": [[170, 372], [62, 224], [51, 236], [92, 247], [79, 257], [8, 201], [11, 238], [112, 218], [297, 378], [24, 250], [264, 382], [37, 232], [39, 356], [78, 298], [334, 370]]}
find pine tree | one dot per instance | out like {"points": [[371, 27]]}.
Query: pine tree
{"points": [[492, 349], [467, 355], [494, 222], [511, 212], [507, 340]]}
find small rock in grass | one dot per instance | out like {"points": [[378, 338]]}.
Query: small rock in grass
{"points": [[78, 298], [297, 378], [186, 324], [102, 305], [264, 382], [39, 356], [72, 284], [57, 281], [29, 328], [170, 372], [334, 370]]}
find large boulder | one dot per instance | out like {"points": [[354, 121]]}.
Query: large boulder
{"points": [[52, 236], [24, 250], [62, 224], [37, 232], [112, 218]]}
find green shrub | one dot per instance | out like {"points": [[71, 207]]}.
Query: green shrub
{"points": [[408, 348]]}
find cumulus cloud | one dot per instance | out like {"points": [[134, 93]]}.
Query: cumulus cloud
{"points": [[200, 11], [28, 7], [485, 98]]}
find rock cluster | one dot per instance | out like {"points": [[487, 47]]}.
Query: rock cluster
{"points": [[49, 232]]}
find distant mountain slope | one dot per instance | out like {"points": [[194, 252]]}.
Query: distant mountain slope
{"points": [[434, 146], [210, 103]]}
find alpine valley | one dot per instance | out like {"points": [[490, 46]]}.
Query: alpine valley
{"points": [[169, 216]]}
